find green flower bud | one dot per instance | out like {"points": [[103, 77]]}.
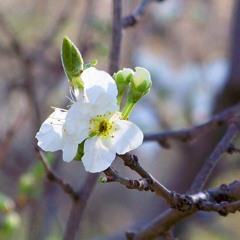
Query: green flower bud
{"points": [[27, 183], [123, 76], [72, 62], [140, 83], [9, 223], [6, 203], [122, 79], [29, 186], [102, 179]]}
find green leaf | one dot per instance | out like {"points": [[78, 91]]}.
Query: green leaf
{"points": [[71, 59]]}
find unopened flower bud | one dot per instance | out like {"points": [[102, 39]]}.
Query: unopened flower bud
{"points": [[122, 79], [140, 83], [9, 223], [123, 76], [72, 62]]}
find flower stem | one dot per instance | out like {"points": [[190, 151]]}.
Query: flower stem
{"points": [[127, 109], [119, 100]]}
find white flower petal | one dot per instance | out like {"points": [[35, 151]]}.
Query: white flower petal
{"points": [[126, 137], [96, 156], [69, 151], [96, 82], [50, 133], [105, 103], [48, 138], [76, 119]]}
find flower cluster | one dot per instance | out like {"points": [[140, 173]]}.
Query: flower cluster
{"points": [[93, 129]]}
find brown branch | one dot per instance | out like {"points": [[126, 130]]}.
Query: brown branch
{"points": [[191, 134], [190, 204], [134, 18], [116, 37], [131, 161], [140, 184], [223, 200]]}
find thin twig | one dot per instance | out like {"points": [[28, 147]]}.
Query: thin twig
{"points": [[187, 135], [131, 161], [134, 18]]}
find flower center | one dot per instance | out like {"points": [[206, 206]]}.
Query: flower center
{"points": [[101, 125], [104, 126]]}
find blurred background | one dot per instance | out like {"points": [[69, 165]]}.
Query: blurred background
{"points": [[192, 50]]}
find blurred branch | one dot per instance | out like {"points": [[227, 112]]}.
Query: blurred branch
{"points": [[11, 133], [53, 177], [116, 37], [79, 206], [27, 68], [15, 45], [84, 37], [187, 135], [133, 18], [80, 198], [64, 16], [212, 161]]}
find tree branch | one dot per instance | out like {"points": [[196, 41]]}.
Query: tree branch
{"points": [[116, 37], [187, 135], [133, 18], [223, 200], [66, 187], [212, 161]]}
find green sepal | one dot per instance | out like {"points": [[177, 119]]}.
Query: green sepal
{"points": [[91, 64], [80, 151], [71, 59]]}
